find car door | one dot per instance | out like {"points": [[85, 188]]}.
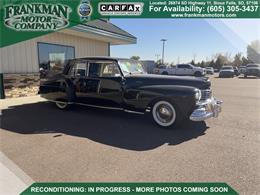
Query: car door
{"points": [[75, 79], [102, 85], [188, 69], [87, 89], [180, 70], [110, 88]]}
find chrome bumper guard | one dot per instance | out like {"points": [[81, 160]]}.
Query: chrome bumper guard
{"points": [[206, 109]]}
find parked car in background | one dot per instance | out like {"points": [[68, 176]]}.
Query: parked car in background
{"points": [[209, 70], [236, 71], [163, 69], [226, 72], [242, 69], [216, 70], [181, 70], [252, 70], [121, 84]]}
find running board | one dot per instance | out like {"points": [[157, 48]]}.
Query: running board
{"points": [[103, 107]]}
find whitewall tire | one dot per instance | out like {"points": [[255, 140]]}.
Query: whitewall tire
{"points": [[164, 113], [62, 105]]}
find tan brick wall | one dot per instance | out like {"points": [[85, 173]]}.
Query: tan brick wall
{"points": [[21, 85]]}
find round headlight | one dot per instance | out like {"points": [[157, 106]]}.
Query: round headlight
{"points": [[198, 95]]}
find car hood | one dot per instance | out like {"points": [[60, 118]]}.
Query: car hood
{"points": [[151, 79]]}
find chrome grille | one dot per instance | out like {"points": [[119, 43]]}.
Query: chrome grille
{"points": [[206, 94]]}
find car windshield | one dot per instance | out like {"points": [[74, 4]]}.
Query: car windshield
{"points": [[227, 68], [209, 68], [131, 67], [253, 66]]}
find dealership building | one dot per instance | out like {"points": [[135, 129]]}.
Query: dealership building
{"points": [[21, 62]]}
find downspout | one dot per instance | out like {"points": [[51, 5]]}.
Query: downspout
{"points": [[2, 90], [108, 49]]}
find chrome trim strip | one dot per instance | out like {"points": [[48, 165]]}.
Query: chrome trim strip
{"points": [[148, 109], [95, 106], [134, 112], [55, 101], [104, 107]]}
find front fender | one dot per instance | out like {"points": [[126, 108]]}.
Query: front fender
{"points": [[143, 97]]}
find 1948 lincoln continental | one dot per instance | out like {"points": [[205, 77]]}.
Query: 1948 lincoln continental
{"points": [[122, 84]]}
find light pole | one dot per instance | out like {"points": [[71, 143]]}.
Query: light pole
{"points": [[163, 40]]}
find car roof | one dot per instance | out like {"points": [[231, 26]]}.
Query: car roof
{"points": [[101, 58]]}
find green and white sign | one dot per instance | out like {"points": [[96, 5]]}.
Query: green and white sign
{"points": [[36, 17], [130, 188], [25, 19]]}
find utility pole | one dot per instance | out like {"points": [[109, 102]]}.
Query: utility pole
{"points": [[163, 40]]}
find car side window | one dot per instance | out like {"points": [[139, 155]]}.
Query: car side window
{"points": [[110, 70], [181, 66], [94, 69], [188, 66], [79, 69]]}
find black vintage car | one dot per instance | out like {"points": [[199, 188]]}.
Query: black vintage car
{"points": [[122, 84]]}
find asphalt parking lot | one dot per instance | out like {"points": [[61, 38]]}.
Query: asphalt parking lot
{"points": [[92, 145]]}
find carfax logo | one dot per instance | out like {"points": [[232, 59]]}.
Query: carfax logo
{"points": [[37, 17], [84, 10], [120, 8]]}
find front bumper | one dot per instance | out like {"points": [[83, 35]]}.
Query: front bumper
{"points": [[226, 74], [206, 109]]}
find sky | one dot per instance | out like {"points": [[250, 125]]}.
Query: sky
{"points": [[187, 39]]}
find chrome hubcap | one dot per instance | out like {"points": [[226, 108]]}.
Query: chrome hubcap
{"points": [[164, 113]]}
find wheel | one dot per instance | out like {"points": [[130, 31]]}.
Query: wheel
{"points": [[197, 74], [164, 73], [62, 105], [165, 114]]}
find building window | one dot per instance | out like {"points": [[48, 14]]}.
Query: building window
{"points": [[53, 57]]}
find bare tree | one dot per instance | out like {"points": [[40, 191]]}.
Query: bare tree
{"points": [[253, 51], [237, 60]]}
